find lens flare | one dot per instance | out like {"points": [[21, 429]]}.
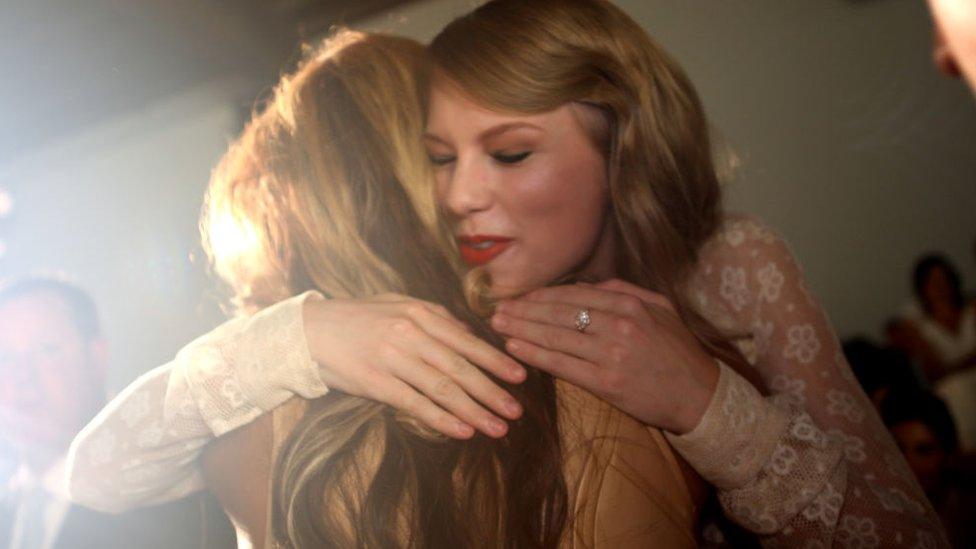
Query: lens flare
{"points": [[233, 238]]}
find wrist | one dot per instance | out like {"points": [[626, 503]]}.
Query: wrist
{"points": [[312, 310], [696, 398]]}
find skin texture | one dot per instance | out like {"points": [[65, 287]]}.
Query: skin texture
{"points": [[636, 354], [538, 179], [51, 377], [414, 356], [955, 38]]}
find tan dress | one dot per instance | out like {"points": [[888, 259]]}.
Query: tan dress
{"points": [[626, 487]]}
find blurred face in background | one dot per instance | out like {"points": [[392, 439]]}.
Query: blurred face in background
{"points": [[923, 452], [938, 290], [51, 376], [955, 38]]}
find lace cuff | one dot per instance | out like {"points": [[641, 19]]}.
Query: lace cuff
{"points": [[274, 357], [736, 435]]}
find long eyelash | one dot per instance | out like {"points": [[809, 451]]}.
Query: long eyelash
{"points": [[440, 160], [511, 158]]}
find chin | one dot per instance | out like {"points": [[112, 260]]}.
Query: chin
{"points": [[497, 292], [503, 287]]}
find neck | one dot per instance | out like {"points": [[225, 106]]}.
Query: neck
{"points": [[602, 265]]}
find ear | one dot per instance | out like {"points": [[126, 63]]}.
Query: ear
{"points": [[942, 56]]}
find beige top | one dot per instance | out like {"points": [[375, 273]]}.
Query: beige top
{"points": [[811, 465], [626, 487]]}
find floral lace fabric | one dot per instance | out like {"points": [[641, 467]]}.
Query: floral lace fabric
{"points": [[832, 475], [810, 466]]}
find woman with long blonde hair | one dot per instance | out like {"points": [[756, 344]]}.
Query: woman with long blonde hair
{"points": [[569, 147]]}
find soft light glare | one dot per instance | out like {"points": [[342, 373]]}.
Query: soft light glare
{"points": [[232, 239], [6, 203]]}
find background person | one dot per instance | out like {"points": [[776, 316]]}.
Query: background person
{"points": [[52, 377], [926, 433], [943, 325]]}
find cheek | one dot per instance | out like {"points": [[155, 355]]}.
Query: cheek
{"points": [[560, 210]]}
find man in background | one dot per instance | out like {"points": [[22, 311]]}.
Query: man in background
{"points": [[52, 382]]}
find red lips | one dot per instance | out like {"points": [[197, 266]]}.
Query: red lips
{"points": [[481, 248]]}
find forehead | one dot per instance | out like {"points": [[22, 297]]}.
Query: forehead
{"points": [[35, 314], [447, 99], [913, 431], [452, 113]]}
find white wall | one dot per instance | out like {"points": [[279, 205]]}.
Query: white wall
{"points": [[116, 207], [853, 146]]}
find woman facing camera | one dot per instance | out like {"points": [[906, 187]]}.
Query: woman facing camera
{"points": [[572, 162]]}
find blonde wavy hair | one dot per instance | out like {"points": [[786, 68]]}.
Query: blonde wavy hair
{"points": [[328, 188], [287, 208]]}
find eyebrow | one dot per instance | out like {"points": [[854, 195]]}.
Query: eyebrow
{"points": [[491, 132], [503, 128]]}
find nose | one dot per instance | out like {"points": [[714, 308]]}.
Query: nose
{"points": [[467, 188]]}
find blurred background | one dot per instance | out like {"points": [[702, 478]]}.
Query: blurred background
{"points": [[114, 112]]}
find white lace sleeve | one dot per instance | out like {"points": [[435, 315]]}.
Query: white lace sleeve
{"points": [[821, 470], [143, 448]]}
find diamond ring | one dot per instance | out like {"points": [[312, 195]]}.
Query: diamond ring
{"points": [[582, 320]]}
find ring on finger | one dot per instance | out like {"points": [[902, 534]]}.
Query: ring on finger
{"points": [[582, 320]]}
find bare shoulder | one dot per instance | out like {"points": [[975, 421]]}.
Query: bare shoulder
{"points": [[237, 467]]}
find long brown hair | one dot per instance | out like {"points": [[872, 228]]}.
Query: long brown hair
{"points": [[327, 189], [535, 56]]}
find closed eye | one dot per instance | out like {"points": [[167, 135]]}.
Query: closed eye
{"points": [[440, 159], [514, 158]]}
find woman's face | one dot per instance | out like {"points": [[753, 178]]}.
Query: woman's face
{"points": [[922, 451], [938, 287], [526, 194]]}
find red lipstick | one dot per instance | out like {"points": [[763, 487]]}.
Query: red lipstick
{"points": [[481, 248]]}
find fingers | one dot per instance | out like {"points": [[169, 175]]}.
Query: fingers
{"points": [[569, 368], [588, 297], [614, 296], [553, 338], [404, 397], [556, 314], [448, 395], [471, 381], [469, 346]]}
